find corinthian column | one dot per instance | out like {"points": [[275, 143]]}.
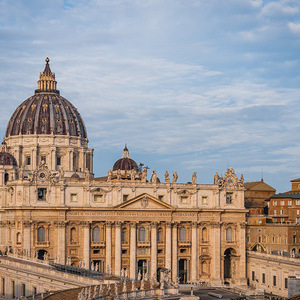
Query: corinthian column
{"points": [[108, 248], [86, 244], [132, 250], [61, 241], [153, 249], [27, 236], [168, 255], [117, 248], [194, 266], [174, 252], [216, 258]]}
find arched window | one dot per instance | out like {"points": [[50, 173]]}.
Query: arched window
{"points": [[73, 235], [142, 234], [6, 177], [229, 234], [182, 234], [96, 234], [123, 235], [159, 235], [41, 234], [19, 239], [204, 235]]}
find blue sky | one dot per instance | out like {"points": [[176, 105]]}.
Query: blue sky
{"points": [[188, 85]]}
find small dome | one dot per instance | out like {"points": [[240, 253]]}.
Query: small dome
{"points": [[75, 175], [6, 159], [125, 163], [46, 112]]}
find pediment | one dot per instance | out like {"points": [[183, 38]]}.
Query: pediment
{"points": [[145, 201]]}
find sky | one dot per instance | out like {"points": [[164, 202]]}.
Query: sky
{"points": [[188, 85]]}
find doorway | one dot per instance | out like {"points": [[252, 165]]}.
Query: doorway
{"points": [[182, 270]]}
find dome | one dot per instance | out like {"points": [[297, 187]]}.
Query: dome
{"points": [[125, 163], [46, 112], [6, 159]]}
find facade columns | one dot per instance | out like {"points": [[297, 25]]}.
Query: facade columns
{"points": [[216, 258], [108, 268], [168, 256], [27, 236], [132, 271], [174, 252], [118, 248], [153, 250], [242, 262], [61, 242], [86, 244], [194, 266]]}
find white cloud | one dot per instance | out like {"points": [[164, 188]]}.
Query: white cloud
{"points": [[294, 27]]}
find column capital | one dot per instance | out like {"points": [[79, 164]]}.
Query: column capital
{"points": [[27, 224], [215, 224], [154, 224], [60, 224], [118, 223], [85, 224], [133, 224], [108, 223], [194, 224], [175, 224], [243, 225], [168, 224]]}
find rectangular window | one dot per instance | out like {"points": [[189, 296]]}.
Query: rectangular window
{"points": [[297, 220], [263, 278], [3, 287], [34, 290], [58, 161], [253, 275], [229, 198], [275, 213], [13, 289], [98, 198], [274, 280], [184, 199], [285, 283], [23, 289], [298, 211], [204, 200], [41, 194], [290, 203], [73, 197], [125, 198], [294, 239], [297, 202], [28, 160], [43, 159], [275, 203], [282, 202], [282, 212], [123, 236]]}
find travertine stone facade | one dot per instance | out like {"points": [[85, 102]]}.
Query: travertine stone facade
{"points": [[51, 203], [271, 272]]}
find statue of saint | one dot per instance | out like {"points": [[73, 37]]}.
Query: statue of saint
{"points": [[167, 179], [194, 178], [175, 177]]}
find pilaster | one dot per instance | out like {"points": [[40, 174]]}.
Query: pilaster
{"points": [[174, 252], [132, 271], [194, 266], [118, 248], [108, 238], [153, 249]]}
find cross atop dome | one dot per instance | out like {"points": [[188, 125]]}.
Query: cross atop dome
{"points": [[47, 81]]}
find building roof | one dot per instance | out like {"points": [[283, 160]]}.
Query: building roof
{"points": [[259, 186], [287, 195], [296, 180], [46, 112]]}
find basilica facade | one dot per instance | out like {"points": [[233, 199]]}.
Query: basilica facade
{"points": [[127, 222]]}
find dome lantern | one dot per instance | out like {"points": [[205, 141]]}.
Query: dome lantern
{"points": [[47, 81]]}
